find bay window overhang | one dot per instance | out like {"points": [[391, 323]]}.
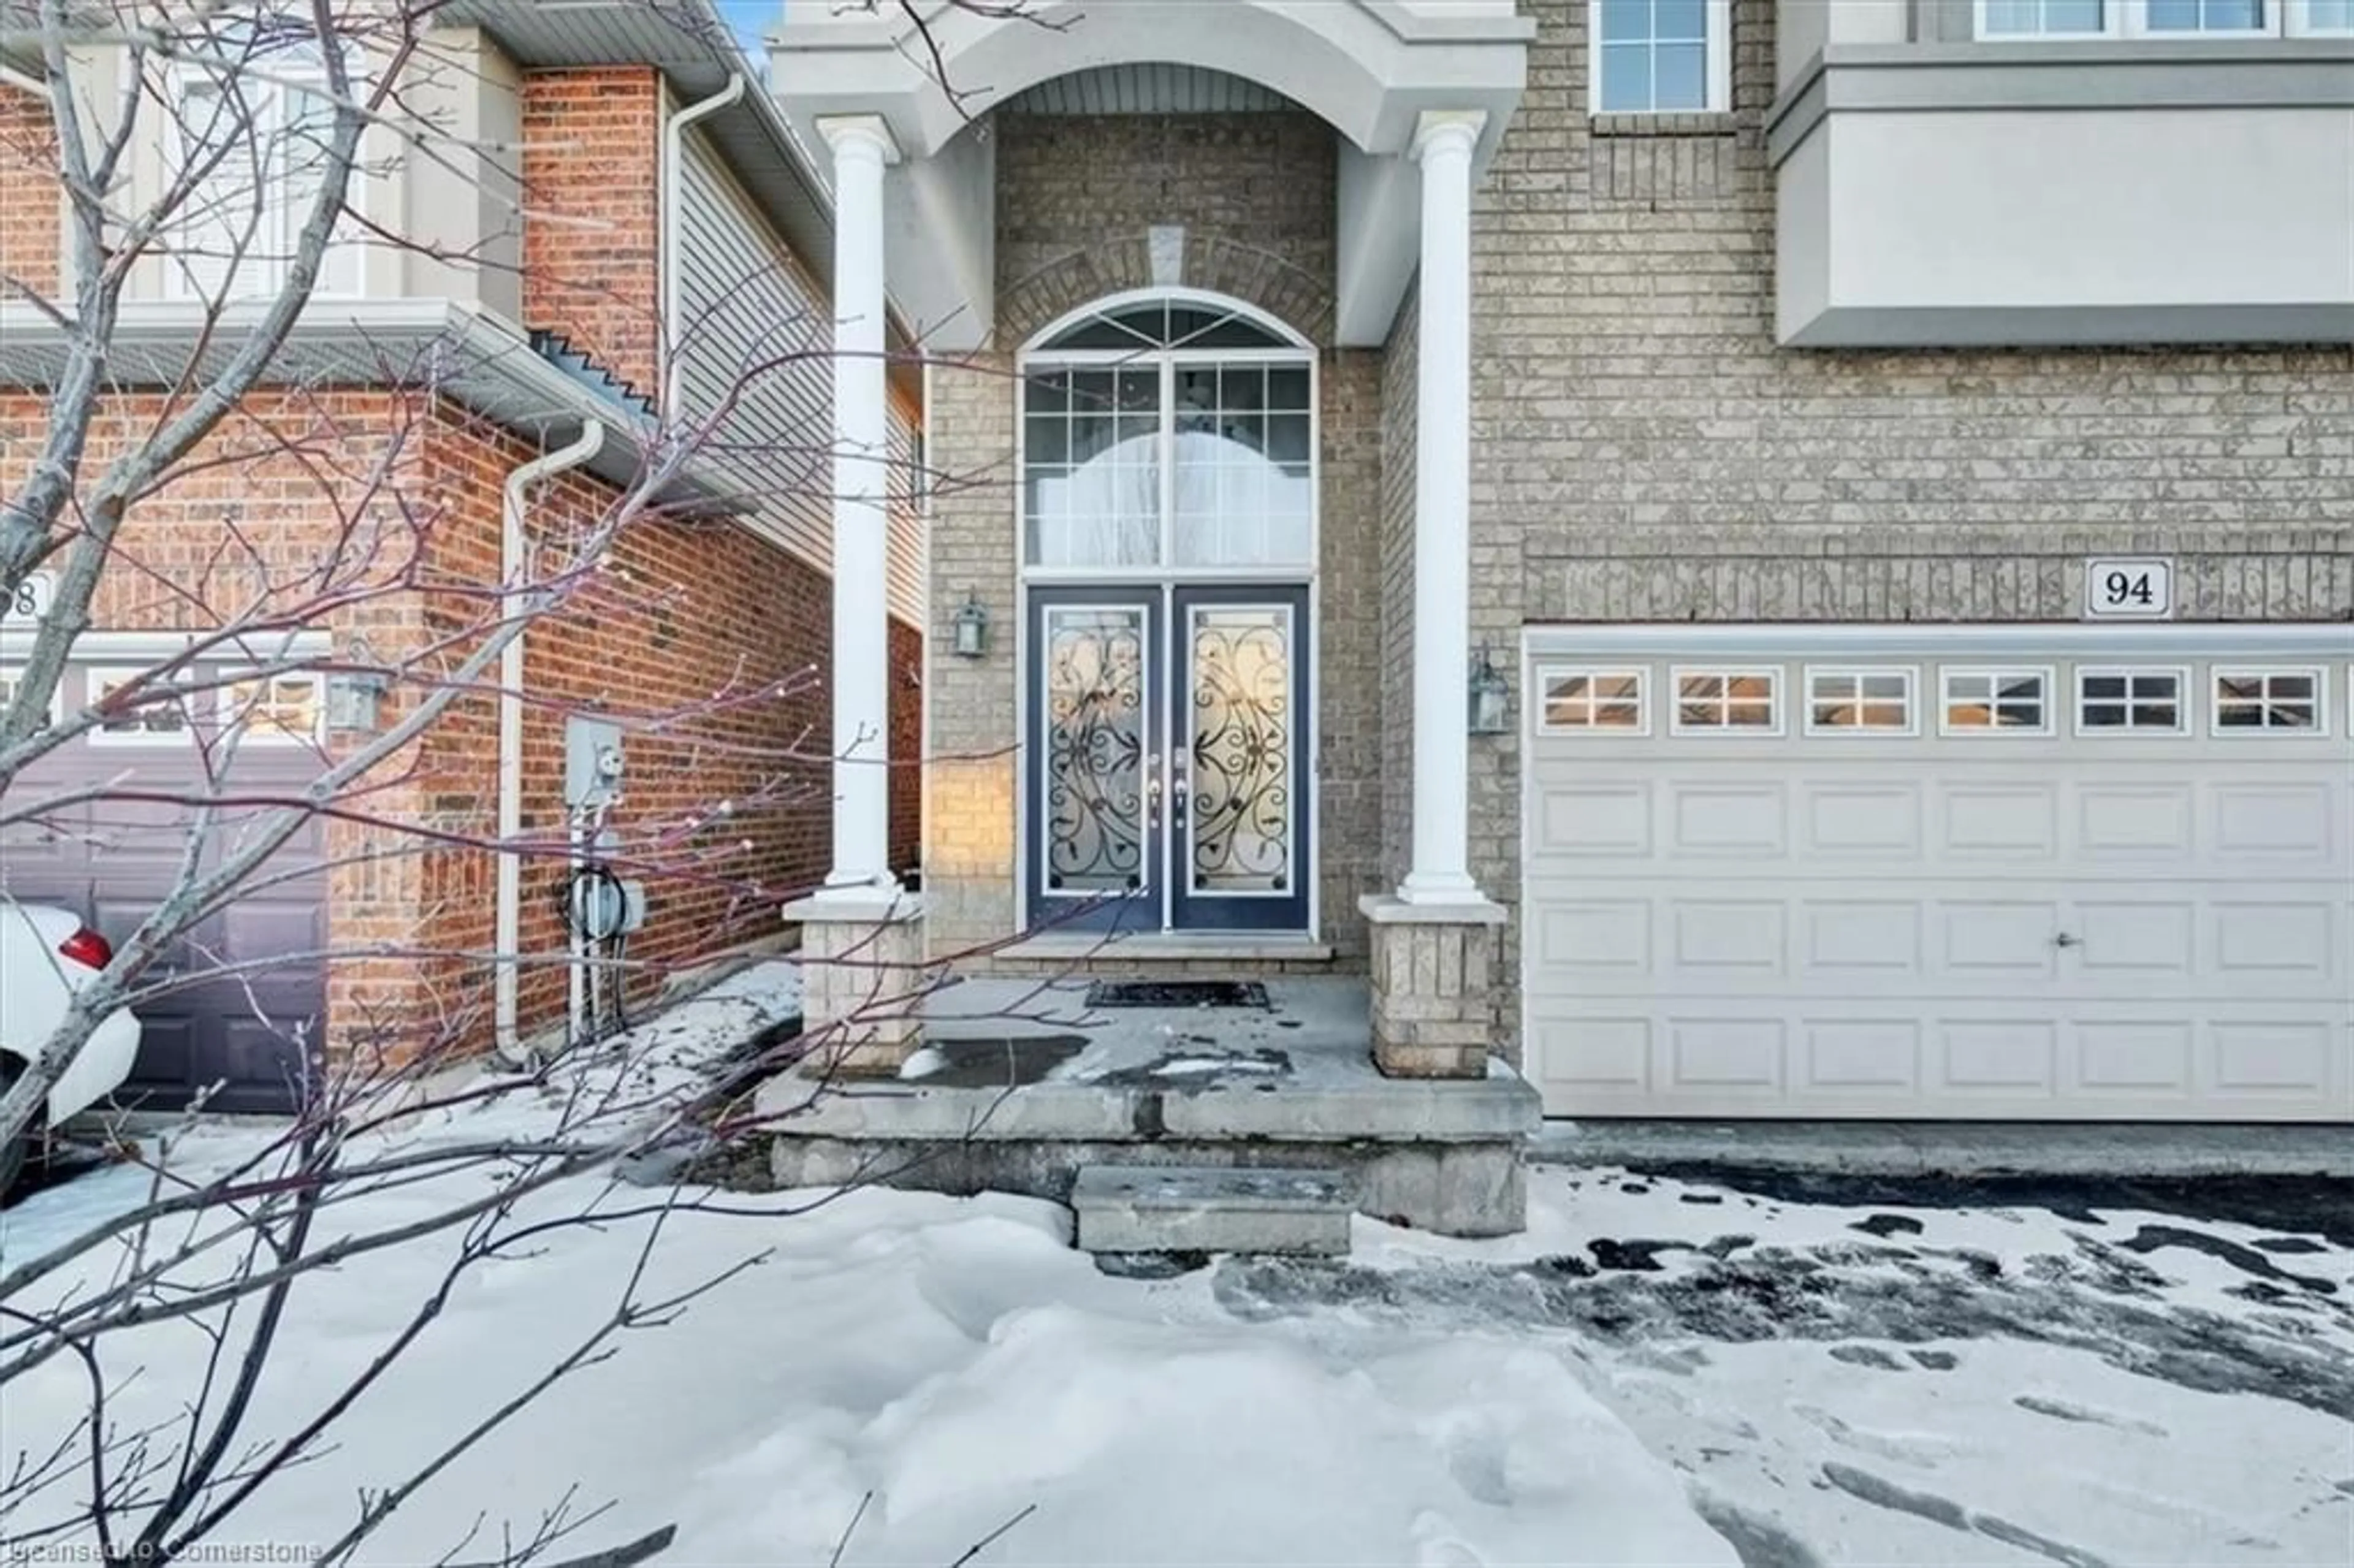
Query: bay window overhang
{"points": [[1369, 68], [2065, 190]]}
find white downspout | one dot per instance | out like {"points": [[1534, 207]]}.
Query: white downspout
{"points": [[514, 566], [673, 157]]}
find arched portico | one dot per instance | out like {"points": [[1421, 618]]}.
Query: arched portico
{"points": [[1411, 98], [1369, 68]]}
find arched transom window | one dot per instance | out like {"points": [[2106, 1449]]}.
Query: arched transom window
{"points": [[1169, 431]]}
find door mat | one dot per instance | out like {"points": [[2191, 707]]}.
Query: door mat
{"points": [[1177, 994]]}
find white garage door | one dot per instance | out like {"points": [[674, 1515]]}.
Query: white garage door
{"points": [[2068, 873]]}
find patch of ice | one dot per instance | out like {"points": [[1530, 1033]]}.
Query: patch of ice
{"points": [[1187, 1066]]}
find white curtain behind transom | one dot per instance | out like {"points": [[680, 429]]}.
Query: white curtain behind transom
{"points": [[1230, 505]]}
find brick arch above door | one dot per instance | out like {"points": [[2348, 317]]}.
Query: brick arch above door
{"points": [[1167, 257]]}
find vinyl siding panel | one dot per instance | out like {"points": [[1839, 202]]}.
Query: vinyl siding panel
{"points": [[756, 340]]}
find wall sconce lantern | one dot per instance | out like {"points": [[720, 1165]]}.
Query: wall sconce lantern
{"points": [[355, 696], [1490, 704], [972, 628]]}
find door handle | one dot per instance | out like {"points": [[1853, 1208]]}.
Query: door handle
{"points": [[1151, 790], [1180, 791], [2064, 940]]}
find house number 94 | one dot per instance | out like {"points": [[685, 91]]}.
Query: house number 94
{"points": [[2128, 588]]}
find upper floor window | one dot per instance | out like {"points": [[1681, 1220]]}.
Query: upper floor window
{"points": [[2161, 18], [256, 149], [1169, 431], [1660, 57]]}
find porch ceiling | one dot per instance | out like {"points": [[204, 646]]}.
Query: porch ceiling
{"points": [[1369, 68]]}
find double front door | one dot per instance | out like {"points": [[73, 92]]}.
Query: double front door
{"points": [[1168, 759]]}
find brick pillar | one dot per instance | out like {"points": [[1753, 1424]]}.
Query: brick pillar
{"points": [[1433, 964], [863, 977]]}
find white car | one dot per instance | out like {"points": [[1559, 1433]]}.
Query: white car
{"points": [[45, 955]]}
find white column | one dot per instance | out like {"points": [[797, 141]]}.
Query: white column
{"points": [[863, 148], [1441, 871]]}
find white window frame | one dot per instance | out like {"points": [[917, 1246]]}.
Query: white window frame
{"points": [[2130, 19], [1040, 357], [1717, 76], [2217, 674], [1640, 674], [1777, 699], [13, 671], [98, 679], [343, 267], [1908, 674], [2185, 700], [1994, 675], [2112, 15], [231, 708], [2298, 20]]}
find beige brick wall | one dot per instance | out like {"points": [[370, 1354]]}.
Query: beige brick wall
{"points": [[1397, 602], [1642, 450], [1077, 198]]}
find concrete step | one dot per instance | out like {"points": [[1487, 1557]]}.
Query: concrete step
{"points": [[1200, 1208]]}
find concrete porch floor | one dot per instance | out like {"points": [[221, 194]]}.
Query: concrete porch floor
{"points": [[1020, 1083]]}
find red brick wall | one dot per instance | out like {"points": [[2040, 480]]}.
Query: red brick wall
{"points": [[30, 220], [592, 229], [250, 524], [708, 646]]}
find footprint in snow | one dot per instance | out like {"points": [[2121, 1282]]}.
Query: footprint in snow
{"points": [[1865, 1486], [1906, 1448], [1871, 1356], [1759, 1539], [1886, 1225], [2301, 1246], [2061, 1410]]}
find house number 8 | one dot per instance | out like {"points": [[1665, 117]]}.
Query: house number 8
{"points": [[2119, 589]]}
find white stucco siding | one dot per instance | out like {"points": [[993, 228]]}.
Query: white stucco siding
{"points": [[2123, 207]]}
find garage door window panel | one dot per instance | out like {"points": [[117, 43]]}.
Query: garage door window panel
{"points": [[1728, 701], [2133, 701], [1861, 702], [1996, 702], [161, 714], [2268, 702], [1580, 700], [273, 710], [12, 677]]}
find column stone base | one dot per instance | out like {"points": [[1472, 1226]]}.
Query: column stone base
{"points": [[1433, 965], [863, 978]]}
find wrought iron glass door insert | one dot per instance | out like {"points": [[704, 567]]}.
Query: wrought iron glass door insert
{"points": [[1168, 759]]}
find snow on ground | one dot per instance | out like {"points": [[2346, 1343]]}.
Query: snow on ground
{"points": [[1923, 1386], [953, 1358], [1657, 1372]]}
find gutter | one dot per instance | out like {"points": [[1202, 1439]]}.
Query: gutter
{"points": [[673, 155], [472, 356], [514, 564]]}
